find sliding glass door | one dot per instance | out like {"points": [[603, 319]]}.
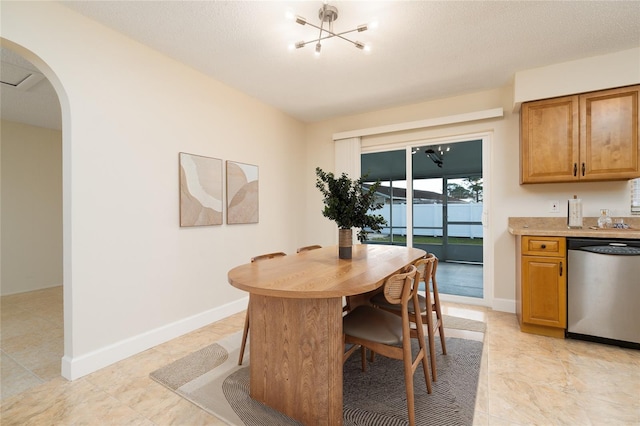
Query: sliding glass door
{"points": [[463, 242], [443, 215], [448, 222], [389, 168], [447, 200]]}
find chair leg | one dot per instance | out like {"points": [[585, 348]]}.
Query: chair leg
{"points": [[441, 332], [436, 308], [244, 337], [439, 322], [427, 319], [408, 382], [409, 371]]}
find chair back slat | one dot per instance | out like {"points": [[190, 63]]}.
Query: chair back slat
{"points": [[268, 256], [398, 287], [425, 268], [434, 283]]}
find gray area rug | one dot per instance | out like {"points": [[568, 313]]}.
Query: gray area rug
{"points": [[462, 324], [211, 379]]}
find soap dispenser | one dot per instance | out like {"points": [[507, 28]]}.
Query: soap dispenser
{"points": [[574, 213], [604, 221]]}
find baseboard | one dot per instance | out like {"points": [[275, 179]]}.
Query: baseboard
{"points": [[504, 305], [28, 290], [445, 297], [75, 367]]}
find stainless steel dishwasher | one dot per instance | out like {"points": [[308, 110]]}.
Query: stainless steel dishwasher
{"points": [[603, 291]]}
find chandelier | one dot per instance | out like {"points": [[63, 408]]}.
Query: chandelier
{"points": [[437, 156], [328, 15]]}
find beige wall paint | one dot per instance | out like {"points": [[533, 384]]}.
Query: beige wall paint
{"points": [[31, 208], [132, 276], [583, 75]]}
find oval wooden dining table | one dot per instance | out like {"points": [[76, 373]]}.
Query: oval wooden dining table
{"points": [[296, 323]]}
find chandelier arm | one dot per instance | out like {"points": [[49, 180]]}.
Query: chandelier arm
{"points": [[331, 32], [324, 8], [317, 40], [346, 39], [327, 37]]}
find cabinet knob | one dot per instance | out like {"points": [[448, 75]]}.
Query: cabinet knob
{"points": [[544, 246]]}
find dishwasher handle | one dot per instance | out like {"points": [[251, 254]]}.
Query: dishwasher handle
{"points": [[614, 250]]}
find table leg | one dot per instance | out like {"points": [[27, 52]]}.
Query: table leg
{"points": [[296, 357]]}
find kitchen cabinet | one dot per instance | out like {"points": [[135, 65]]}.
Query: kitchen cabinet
{"points": [[541, 304], [584, 137]]}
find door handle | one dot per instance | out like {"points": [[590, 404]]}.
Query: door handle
{"points": [[560, 268], [583, 169], [575, 169]]}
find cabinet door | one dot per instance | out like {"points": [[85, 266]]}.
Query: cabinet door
{"points": [[544, 291], [549, 140], [609, 134]]}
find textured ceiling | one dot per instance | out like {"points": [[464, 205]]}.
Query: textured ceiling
{"points": [[421, 50], [36, 105]]}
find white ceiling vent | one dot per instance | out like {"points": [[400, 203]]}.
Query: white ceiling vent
{"points": [[18, 77]]}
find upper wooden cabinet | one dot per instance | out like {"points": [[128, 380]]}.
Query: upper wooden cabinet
{"points": [[587, 137]]}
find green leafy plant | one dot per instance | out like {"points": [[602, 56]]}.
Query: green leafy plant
{"points": [[347, 202]]}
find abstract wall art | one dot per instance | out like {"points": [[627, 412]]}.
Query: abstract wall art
{"points": [[200, 190], [242, 193]]}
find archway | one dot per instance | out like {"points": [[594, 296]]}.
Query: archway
{"points": [[51, 76]]}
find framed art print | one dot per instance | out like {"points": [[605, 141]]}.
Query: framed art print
{"points": [[200, 190], [242, 193]]}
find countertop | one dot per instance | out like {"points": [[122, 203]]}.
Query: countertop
{"points": [[557, 227]]}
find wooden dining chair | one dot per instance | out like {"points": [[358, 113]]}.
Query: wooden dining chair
{"points": [[388, 334], [426, 272], [307, 248], [245, 333], [438, 324]]}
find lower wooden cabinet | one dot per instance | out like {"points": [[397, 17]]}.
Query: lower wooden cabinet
{"points": [[542, 285]]}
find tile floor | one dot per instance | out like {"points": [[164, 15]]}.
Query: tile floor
{"points": [[524, 379]]}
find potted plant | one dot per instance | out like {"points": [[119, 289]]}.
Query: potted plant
{"points": [[347, 202]]}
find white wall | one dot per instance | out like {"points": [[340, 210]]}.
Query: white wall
{"points": [[132, 276], [507, 197], [31, 208], [615, 69]]}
